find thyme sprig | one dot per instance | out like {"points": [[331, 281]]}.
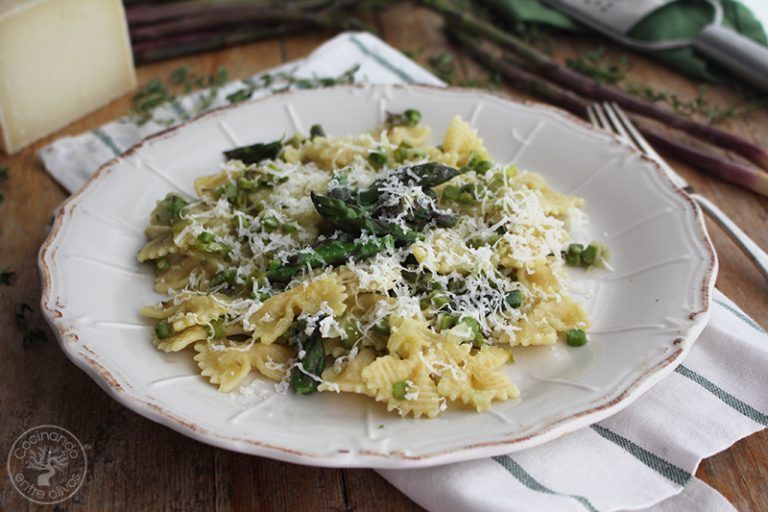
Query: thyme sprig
{"points": [[603, 69], [32, 333], [157, 92]]}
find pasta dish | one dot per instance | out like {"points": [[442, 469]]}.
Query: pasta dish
{"points": [[375, 264]]}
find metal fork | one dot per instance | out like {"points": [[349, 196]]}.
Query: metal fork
{"points": [[611, 117]]}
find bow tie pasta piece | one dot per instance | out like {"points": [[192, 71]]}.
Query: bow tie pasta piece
{"points": [[404, 384], [462, 140], [158, 248], [548, 318], [409, 337], [410, 135], [348, 377], [272, 361], [183, 339], [480, 382], [277, 314], [198, 310], [225, 366]]}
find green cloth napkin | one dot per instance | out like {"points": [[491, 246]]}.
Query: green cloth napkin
{"points": [[682, 19]]}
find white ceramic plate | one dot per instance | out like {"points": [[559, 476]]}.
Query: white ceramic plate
{"points": [[646, 313]]}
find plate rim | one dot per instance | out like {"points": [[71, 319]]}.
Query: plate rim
{"points": [[622, 397]]}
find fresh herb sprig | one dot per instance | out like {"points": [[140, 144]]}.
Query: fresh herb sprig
{"points": [[600, 67], [32, 334], [157, 92]]}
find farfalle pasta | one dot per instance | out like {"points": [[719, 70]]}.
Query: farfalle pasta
{"points": [[375, 264]]}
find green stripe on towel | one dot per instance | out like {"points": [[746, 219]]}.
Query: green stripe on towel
{"points": [[653, 461], [107, 140], [381, 60], [745, 409], [741, 316], [527, 480]]}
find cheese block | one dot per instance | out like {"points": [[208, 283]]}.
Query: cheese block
{"points": [[59, 60]]}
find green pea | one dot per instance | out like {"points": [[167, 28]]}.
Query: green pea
{"points": [[288, 228], [316, 131], [474, 325], [412, 117], [270, 223], [229, 191], [483, 166], [475, 243], [466, 198], [175, 207], [401, 154], [576, 337], [162, 265], [244, 184], [206, 237], [424, 304], [399, 390], [163, 329], [451, 192], [591, 254], [377, 159], [439, 300], [445, 322], [573, 254], [217, 328], [514, 299]]}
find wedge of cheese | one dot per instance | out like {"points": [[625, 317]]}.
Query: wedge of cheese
{"points": [[59, 60]]}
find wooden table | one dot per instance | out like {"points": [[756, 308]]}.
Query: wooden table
{"points": [[135, 464]]}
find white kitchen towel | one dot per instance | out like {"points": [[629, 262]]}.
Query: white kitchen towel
{"points": [[641, 458]]}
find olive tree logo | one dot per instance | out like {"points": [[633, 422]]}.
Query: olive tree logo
{"points": [[47, 464]]}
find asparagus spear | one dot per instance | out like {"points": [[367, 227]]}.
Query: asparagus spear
{"points": [[255, 153], [353, 219], [313, 360], [426, 176], [328, 252]]}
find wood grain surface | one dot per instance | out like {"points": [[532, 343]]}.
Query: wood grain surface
{"points": [[136, 464]]}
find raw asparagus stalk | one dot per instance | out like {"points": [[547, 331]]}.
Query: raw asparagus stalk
{"points": [[152, 50], [586, 86], [733, 172], [229, 18]]}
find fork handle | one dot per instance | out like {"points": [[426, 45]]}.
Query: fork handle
{"points": [[758, 256]]}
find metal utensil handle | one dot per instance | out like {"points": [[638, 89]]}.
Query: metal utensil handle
{"points": [[740, 55], [747, 245]]}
